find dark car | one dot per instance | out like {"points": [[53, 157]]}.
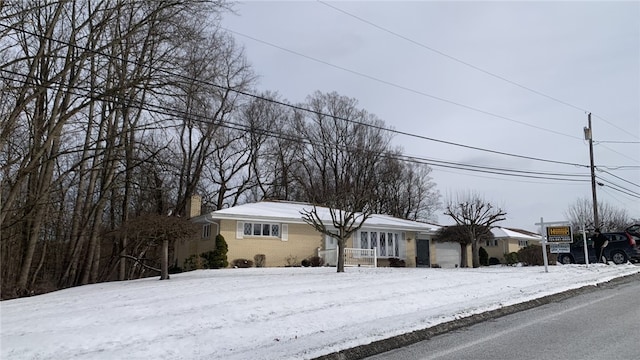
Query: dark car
{"points": [[622, 247]]}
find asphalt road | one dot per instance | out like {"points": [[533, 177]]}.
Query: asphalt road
{"points": [[600, 324]]}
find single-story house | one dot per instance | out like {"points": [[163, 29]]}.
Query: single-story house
{"points": [[508, 240], [276, 229]]}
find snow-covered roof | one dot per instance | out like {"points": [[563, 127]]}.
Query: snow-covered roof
{"points": [[291, 212], [500, 233]]}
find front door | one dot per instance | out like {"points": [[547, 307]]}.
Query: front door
{"points": [[422, 253]]}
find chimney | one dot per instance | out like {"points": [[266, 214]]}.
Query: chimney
{"points": [[194, 205]]}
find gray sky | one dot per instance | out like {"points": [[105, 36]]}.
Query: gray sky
{"points": [[446, 71]]}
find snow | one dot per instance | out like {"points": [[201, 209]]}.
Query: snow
{"points": [[267, 313]]}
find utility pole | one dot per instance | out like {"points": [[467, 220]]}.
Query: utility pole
{"points": [[588, 135]]}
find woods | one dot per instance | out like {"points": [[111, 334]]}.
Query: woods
{"points": [[113, 113]]}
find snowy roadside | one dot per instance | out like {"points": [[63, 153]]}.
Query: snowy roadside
{"points": [[286, 313]]}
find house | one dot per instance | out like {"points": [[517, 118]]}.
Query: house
{"points": [[508, 240], [277, 230]]}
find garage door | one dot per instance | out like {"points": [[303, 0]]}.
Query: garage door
{"points": [[447, 254]]}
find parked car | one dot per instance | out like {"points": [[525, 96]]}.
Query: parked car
{"points": [[622, 247]]}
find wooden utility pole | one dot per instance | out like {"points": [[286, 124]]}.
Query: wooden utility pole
{"points": [[588, 135]]}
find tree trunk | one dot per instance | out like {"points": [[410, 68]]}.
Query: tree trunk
{"points": [[474, 253], [464, 261], [340, 266], [164, 270]]}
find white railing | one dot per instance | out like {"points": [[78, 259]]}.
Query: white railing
{"points": [[360, 257], [329, 257]]}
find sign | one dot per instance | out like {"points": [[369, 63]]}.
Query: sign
{"points": [[559, 234], [557, 248]]}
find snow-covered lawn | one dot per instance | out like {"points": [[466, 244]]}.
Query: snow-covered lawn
{"points": [[267, 313]]}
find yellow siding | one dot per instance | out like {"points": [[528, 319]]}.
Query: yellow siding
{"points": [[303, 242]]}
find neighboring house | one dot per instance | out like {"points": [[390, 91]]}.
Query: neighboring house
{"points": [[508, 240], [276, 229]]}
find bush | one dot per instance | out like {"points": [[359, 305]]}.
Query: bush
{"points": [[511, 258], [484, 256], [292, 261], [218, 260], [494, 261], [260, 259], [532, 255], [193, 262], [316, 261], [395, 262], [305, 263], [241, 263]]}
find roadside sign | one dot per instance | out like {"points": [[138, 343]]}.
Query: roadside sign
{"points": [[557, 248], [559, 234]]}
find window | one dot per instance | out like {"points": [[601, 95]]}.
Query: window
{"points": [[261, 229], [364, 240], [523, 243], [492, 242], [206, 231], [387, 244]]}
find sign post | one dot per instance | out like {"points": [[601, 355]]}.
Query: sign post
{"points": [[556, 236]]}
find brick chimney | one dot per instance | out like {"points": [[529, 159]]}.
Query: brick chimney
{"points": [[194, 205]]}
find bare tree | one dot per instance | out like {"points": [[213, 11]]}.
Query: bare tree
{"points": [[79, 79], [405, 189], [580, 214], [476, 215], [156, 232], [214, 69], [339, 160]]}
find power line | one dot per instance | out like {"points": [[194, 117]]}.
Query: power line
{"points": [[452, 57], [618, 177], [134, 62], [487, 72], [618, 187], [172, 112], [468, 107], [616, 142]]}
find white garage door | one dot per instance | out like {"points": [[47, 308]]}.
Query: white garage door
{"points": [[447, 254]]}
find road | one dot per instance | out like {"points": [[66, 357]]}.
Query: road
{"points": [[603, 324]]}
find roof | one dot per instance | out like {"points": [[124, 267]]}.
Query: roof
{"points": [[501, 233], [291, 212]]}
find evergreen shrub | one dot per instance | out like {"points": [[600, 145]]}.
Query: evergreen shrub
{"points": [[484, 256]]}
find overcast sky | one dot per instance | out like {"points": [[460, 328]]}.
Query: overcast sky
{"points": [[510, 77]]}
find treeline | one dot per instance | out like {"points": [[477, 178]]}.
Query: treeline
{"points": [[114, 111]]}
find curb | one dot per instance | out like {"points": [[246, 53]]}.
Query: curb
{"points": [[399, 341]]}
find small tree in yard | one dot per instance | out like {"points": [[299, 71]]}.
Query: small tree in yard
{"points": [[219, 258], [346, 222], [476, 215], [154, 230]]}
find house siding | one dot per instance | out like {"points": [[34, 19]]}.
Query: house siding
{"points": [[302, 242]]}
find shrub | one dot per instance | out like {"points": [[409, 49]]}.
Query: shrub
{"points": [[484, 256], [193, 262], [241, 263], [218, 260], [532, 255], [305, 263], [511, 258], [494, 261], [260, 260], [316, 261], [435, 266], [395, 262], [292, 261]]}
